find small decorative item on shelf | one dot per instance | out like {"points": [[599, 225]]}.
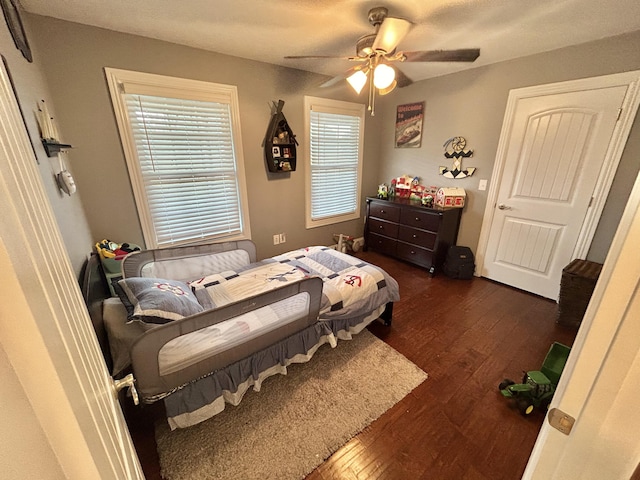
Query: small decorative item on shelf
{"points": [[280, 142], [402, 186], [451, 197], [48, 131], [383, 191], [427, 200]]}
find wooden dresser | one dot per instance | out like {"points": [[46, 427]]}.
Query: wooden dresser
{"points": [[406, 230]]}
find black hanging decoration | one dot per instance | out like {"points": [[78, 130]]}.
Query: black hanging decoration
{"points": [[280, 142]]}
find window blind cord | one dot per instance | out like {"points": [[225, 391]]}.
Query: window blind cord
{"points": [[146, 132]]}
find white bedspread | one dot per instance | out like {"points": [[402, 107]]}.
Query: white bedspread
{"points": [[349, 283]]}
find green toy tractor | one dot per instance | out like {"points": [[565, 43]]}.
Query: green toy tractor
{"points": [[538, 386]]}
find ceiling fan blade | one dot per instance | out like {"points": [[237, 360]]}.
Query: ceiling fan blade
{"points": [[401, 78], [331, 82], [390, 34], [461, 55], [293, 57]]}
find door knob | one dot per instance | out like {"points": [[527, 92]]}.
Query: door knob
{"points": [[502, 206], [125, 382]]}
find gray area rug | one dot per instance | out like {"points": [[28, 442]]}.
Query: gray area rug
{"points": [[296, 421]]}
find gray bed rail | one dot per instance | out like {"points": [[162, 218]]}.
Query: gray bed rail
{"points": [[134, 263], [145, 351]]}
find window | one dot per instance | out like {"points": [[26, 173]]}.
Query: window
{"points": [[182, 145], [334, 136]]}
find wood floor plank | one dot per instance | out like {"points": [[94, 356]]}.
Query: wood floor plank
{"points": [[467, 335]]}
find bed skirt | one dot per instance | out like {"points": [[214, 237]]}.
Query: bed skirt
{"points": [[202, 399]]}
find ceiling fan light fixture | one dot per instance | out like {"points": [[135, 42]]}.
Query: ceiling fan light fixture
{"points": [[389, 89], [383, 76], [357, 80]]}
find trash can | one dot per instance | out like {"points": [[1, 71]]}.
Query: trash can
{"points": [[576, 287]]}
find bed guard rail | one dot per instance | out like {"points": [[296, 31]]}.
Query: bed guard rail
{"points": [[152, 385]]}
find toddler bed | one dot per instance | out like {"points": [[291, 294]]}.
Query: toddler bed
{"points": [[200, 325]]}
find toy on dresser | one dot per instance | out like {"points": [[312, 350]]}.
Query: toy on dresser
{"points": [[406, 186], [450, 197]]}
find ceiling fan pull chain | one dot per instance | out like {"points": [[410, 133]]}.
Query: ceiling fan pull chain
{"points": [[372, 97]]}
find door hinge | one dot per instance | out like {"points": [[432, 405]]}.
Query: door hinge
{"points": [[590, 202], [619, 114], [561, 421]]}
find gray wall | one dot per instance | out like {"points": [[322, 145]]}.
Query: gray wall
{"points": [[31, 87], [469, 103], [472, 104], [74, 57]]}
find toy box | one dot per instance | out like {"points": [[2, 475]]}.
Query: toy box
{"points": [[450, 197]]}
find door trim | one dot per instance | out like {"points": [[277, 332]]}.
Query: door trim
{"points": [[612, 158]]}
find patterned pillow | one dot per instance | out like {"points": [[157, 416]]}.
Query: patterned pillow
{"points": [[156, 300]]}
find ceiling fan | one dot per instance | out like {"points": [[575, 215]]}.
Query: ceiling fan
{"points": [[377, 53]]}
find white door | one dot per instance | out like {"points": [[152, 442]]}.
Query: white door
{"points": [[44, 325], [599, 384], [554, 156]]}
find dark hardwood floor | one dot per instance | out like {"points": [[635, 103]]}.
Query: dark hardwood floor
{"points": [[467, 335]]}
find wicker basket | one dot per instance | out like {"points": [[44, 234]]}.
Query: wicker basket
{"points": [[578, 281]]}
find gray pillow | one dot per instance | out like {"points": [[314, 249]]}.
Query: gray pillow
{"points": [[156, 300]]}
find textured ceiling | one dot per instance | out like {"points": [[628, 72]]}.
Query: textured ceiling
{"points": [[267, 30]]}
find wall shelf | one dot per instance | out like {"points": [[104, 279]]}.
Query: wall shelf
{"points": [[280, 143], [52, 148]]}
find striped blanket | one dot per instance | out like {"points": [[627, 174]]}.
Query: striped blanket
{"points": [[350, 284]]}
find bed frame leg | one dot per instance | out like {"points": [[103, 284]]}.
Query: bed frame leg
{"points": [[387, 315]]}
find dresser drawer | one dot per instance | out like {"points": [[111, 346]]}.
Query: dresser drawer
{"points": [[404, 229], [420, 219], [413, 254], [382, 244], [383, 228], [384, 211], [417, 237]]}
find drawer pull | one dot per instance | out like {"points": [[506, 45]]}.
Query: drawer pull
{"points": [[382, 211], [412, 252], [417, 219], [414, 235], [380, 227]]}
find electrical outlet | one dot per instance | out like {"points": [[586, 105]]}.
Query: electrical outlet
{"points": [[283, 238], [482, 185], [276, 239]]}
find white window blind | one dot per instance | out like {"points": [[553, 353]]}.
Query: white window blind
{"points": [[335, 143], [189, 187]]}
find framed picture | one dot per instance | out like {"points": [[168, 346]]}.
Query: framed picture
{"points": [[275, 151], [12, 16], [409, 125]]}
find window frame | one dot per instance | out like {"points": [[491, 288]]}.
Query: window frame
{"points": [[338, 107], [126, 81]]}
